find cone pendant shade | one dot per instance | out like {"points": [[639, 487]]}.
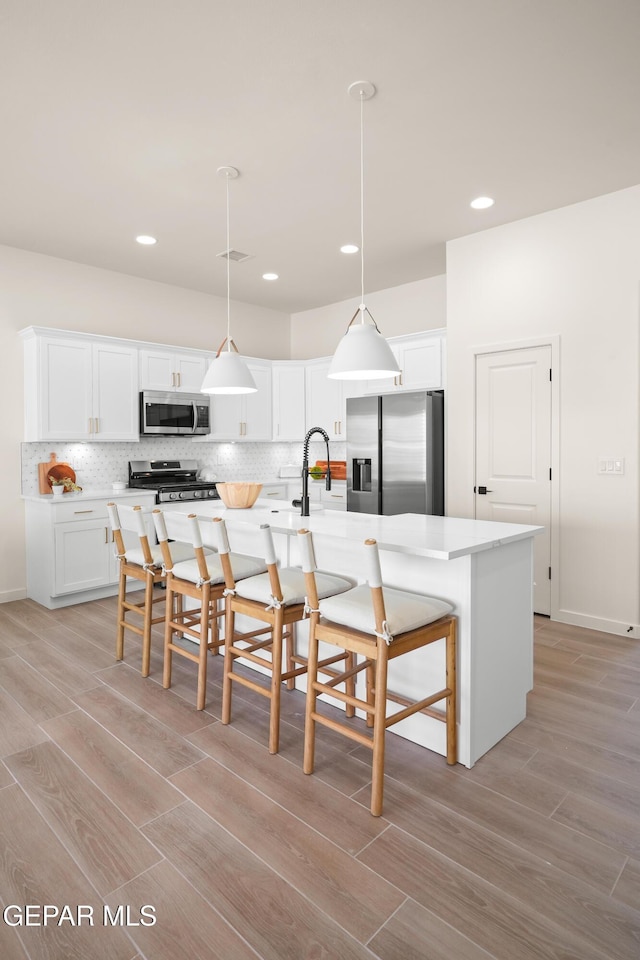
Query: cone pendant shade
{"points": [[227, 374], [363, 354]]}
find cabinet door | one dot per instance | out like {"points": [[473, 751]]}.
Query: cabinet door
{"points": [[288, 401], [227, 420], [65, 390], [190, 371], [157, 370], [83, 556], [325, 404], [115, 393], [421, 364], [257, 406], [172, 370]]}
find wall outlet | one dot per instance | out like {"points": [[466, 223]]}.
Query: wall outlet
{"points": [[613, 466]]}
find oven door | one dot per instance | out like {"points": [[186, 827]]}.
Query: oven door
{"points": [[173, 414]]}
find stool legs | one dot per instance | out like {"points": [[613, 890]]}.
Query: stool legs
{"points": [[308, 761], [379, 729], [122, 589], [451, 681]]}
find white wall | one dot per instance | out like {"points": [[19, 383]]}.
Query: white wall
{"points": [[409, 308], [573, 273], [43, 291]]}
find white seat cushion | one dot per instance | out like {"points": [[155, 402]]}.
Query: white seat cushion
{"points": [[179, 552], [292, 585], [241, 565], [405, 611]]}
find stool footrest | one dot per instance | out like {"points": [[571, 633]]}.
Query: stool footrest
{"points": [[416, 706], [251, 684], [350, 732]]}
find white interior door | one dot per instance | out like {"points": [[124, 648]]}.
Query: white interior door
{"points": [[513, 449]]}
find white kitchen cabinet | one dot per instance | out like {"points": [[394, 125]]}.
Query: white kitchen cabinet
{"points": [[273, 491], [79, 388], [179, 371], [244, 416], [288, 389], [326, 399], [421, 360], [70, 551], [334, 499]]}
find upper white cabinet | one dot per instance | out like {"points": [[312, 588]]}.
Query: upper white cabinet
{"points": [[421, 360], [246, 416], [288, 389], [79, 388], [180, 371], [326, 400]]}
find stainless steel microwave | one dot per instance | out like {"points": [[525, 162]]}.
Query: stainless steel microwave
{"points": [[173, 414]]}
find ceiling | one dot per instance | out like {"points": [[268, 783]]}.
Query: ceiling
{"points": [[116, 115]]}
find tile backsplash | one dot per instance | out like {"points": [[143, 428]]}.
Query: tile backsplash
{"points": [[97, 465]]}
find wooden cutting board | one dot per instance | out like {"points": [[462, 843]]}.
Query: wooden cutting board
{"points": [[338, 468], [54, 468]]}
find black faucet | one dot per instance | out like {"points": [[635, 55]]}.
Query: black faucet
{"points": [[304, 503]]}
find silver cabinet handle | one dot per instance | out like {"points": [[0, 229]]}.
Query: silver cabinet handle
{"points": [[106, 534], [97, 425], [83, 511], [178, 376]]}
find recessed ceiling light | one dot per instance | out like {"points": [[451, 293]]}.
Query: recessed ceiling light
{"points": [[269, 276], [349, 248], [481, 203], [146, 241]]}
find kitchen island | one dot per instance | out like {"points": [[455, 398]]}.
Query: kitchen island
{"points": [[484, 569]]}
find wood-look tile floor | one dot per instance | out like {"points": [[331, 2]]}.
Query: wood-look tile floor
{"points": [[117, 793]]}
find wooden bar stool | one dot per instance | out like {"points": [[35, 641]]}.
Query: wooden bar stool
{"points": [[142, 562], [200, 578], [379, 625], [278, 600]]}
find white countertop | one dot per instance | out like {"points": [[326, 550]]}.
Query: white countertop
{"points": [[441, 538]]}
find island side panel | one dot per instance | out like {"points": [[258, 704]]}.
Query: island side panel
{"points": [[502, 642]]}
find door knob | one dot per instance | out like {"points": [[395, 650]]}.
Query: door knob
{"points": [[482, 490]]}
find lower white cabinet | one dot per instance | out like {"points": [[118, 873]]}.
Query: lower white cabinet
{"points": [[70, 551], [273, 491], [334, 499]]}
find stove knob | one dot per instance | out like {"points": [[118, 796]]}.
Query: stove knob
{"points": [[174, 496], [183, 495], [211, 493], [197, 494]]}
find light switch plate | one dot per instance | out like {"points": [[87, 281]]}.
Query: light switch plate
{"points": [[612, 466]]}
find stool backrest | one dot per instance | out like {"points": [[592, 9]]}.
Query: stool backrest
{"points": [[195, 535], [222, 541], [268, 552], [309, 567], [123, 516], [374, 575]]}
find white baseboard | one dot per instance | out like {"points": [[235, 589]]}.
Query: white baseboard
{"points": [[596, 623], [6, 596]]}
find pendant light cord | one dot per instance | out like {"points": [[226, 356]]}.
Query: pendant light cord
{"points": [[362, 205], [228, 276]]}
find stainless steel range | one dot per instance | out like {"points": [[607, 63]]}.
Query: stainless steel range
{"points": [[173, 480]]}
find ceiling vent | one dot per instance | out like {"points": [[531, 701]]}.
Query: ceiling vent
{"points": [[234, 255]]}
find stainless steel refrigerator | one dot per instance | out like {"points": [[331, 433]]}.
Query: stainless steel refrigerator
{"points": [[395, 453]]}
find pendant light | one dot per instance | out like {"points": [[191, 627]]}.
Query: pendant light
{"points": [[228, 372], [363, 353]]}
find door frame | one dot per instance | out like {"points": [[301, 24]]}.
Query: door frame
{"points": [[509, 346]]}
